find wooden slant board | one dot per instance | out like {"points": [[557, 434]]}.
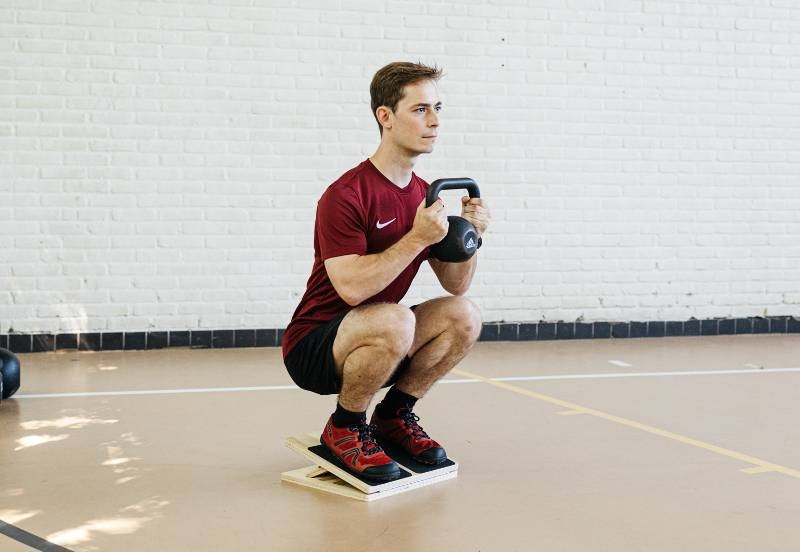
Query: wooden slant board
{"points": [[327, 476]]}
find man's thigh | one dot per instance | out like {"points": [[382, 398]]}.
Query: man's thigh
{"points": [[368, 324]]}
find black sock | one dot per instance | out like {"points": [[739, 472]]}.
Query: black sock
{"points": [[345, 418], [394, 401]]}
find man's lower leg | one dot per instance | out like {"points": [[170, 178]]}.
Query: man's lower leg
{"points": [[347, 435], [394, 418], [365, 370]]}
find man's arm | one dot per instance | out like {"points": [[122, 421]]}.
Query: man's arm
{"points": [[358, 277], [455, 277]]}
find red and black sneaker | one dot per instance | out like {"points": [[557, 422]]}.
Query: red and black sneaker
{"points": [[403, 430], [355, 449]]}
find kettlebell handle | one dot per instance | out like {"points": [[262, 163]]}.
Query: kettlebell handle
{"points": [[451, 184]]}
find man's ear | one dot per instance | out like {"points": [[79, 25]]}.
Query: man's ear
{"points": [[384, 116]]}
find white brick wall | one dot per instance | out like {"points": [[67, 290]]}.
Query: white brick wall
{"points": [[160, 161]]}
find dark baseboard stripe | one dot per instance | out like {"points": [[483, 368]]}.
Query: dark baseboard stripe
{"points": [[29, 539], [491, 331]]}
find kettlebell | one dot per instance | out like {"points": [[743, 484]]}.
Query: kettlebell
{"points": [[461, 241], [9, 373]]}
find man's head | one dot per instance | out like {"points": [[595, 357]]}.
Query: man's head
{"points": [[404, 97]]}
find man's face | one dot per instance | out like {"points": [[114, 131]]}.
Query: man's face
{"points": [[415, 121]]}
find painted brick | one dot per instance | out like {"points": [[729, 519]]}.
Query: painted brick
{"points": [[161, 162]]}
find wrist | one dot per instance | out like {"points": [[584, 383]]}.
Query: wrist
{"points": [[416, 241]]}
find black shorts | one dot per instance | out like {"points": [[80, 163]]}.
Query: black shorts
{"points": [[311, 366]]}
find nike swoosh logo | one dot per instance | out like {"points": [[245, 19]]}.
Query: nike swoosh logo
{"points": [[380, 224]]}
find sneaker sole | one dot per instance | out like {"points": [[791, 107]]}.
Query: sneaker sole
{"points": [[378, 479]]}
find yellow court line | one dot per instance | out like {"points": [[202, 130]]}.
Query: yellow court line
{"points": [[762, 466], [756, 469]]}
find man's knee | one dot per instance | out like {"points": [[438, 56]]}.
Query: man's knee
{"points": [[466, 318], [395, 326]]}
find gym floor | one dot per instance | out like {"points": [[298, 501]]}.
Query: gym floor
{"points": [[615, 445]]}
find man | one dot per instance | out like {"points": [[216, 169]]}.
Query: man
{"points": [[349, 336]]}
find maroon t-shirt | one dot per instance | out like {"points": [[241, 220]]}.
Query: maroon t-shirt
{"points": [[361, 213]]}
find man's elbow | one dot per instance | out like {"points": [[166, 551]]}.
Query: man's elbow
{"points": [[457, 290], [352, 301], [349, 295]]}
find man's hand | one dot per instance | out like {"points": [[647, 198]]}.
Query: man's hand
{"points": [[430, 223], [476, 211]]}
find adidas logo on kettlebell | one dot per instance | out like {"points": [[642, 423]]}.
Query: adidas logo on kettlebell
{"points": [[470, 244]]}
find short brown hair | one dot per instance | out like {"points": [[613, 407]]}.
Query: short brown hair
{"points": [[388, 84]]}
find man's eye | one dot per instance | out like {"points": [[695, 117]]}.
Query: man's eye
{"points": [[421, 109], [438, 108]]}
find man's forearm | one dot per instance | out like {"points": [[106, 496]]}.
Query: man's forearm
{"points": [[368, 275], [457, 277]]}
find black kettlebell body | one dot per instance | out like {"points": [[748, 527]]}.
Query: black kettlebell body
{"points": [[461, 241], [9, 373]]}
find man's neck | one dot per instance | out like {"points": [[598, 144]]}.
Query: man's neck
{"points": [[394, 165]]}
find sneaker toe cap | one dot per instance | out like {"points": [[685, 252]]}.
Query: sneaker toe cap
{"points": [[433, 455], [390, 470]]}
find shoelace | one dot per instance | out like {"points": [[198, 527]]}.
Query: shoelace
{"points": [[365, 435], [411, 420]]}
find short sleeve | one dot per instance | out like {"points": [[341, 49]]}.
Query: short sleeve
{"points": [[341, 229]]}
